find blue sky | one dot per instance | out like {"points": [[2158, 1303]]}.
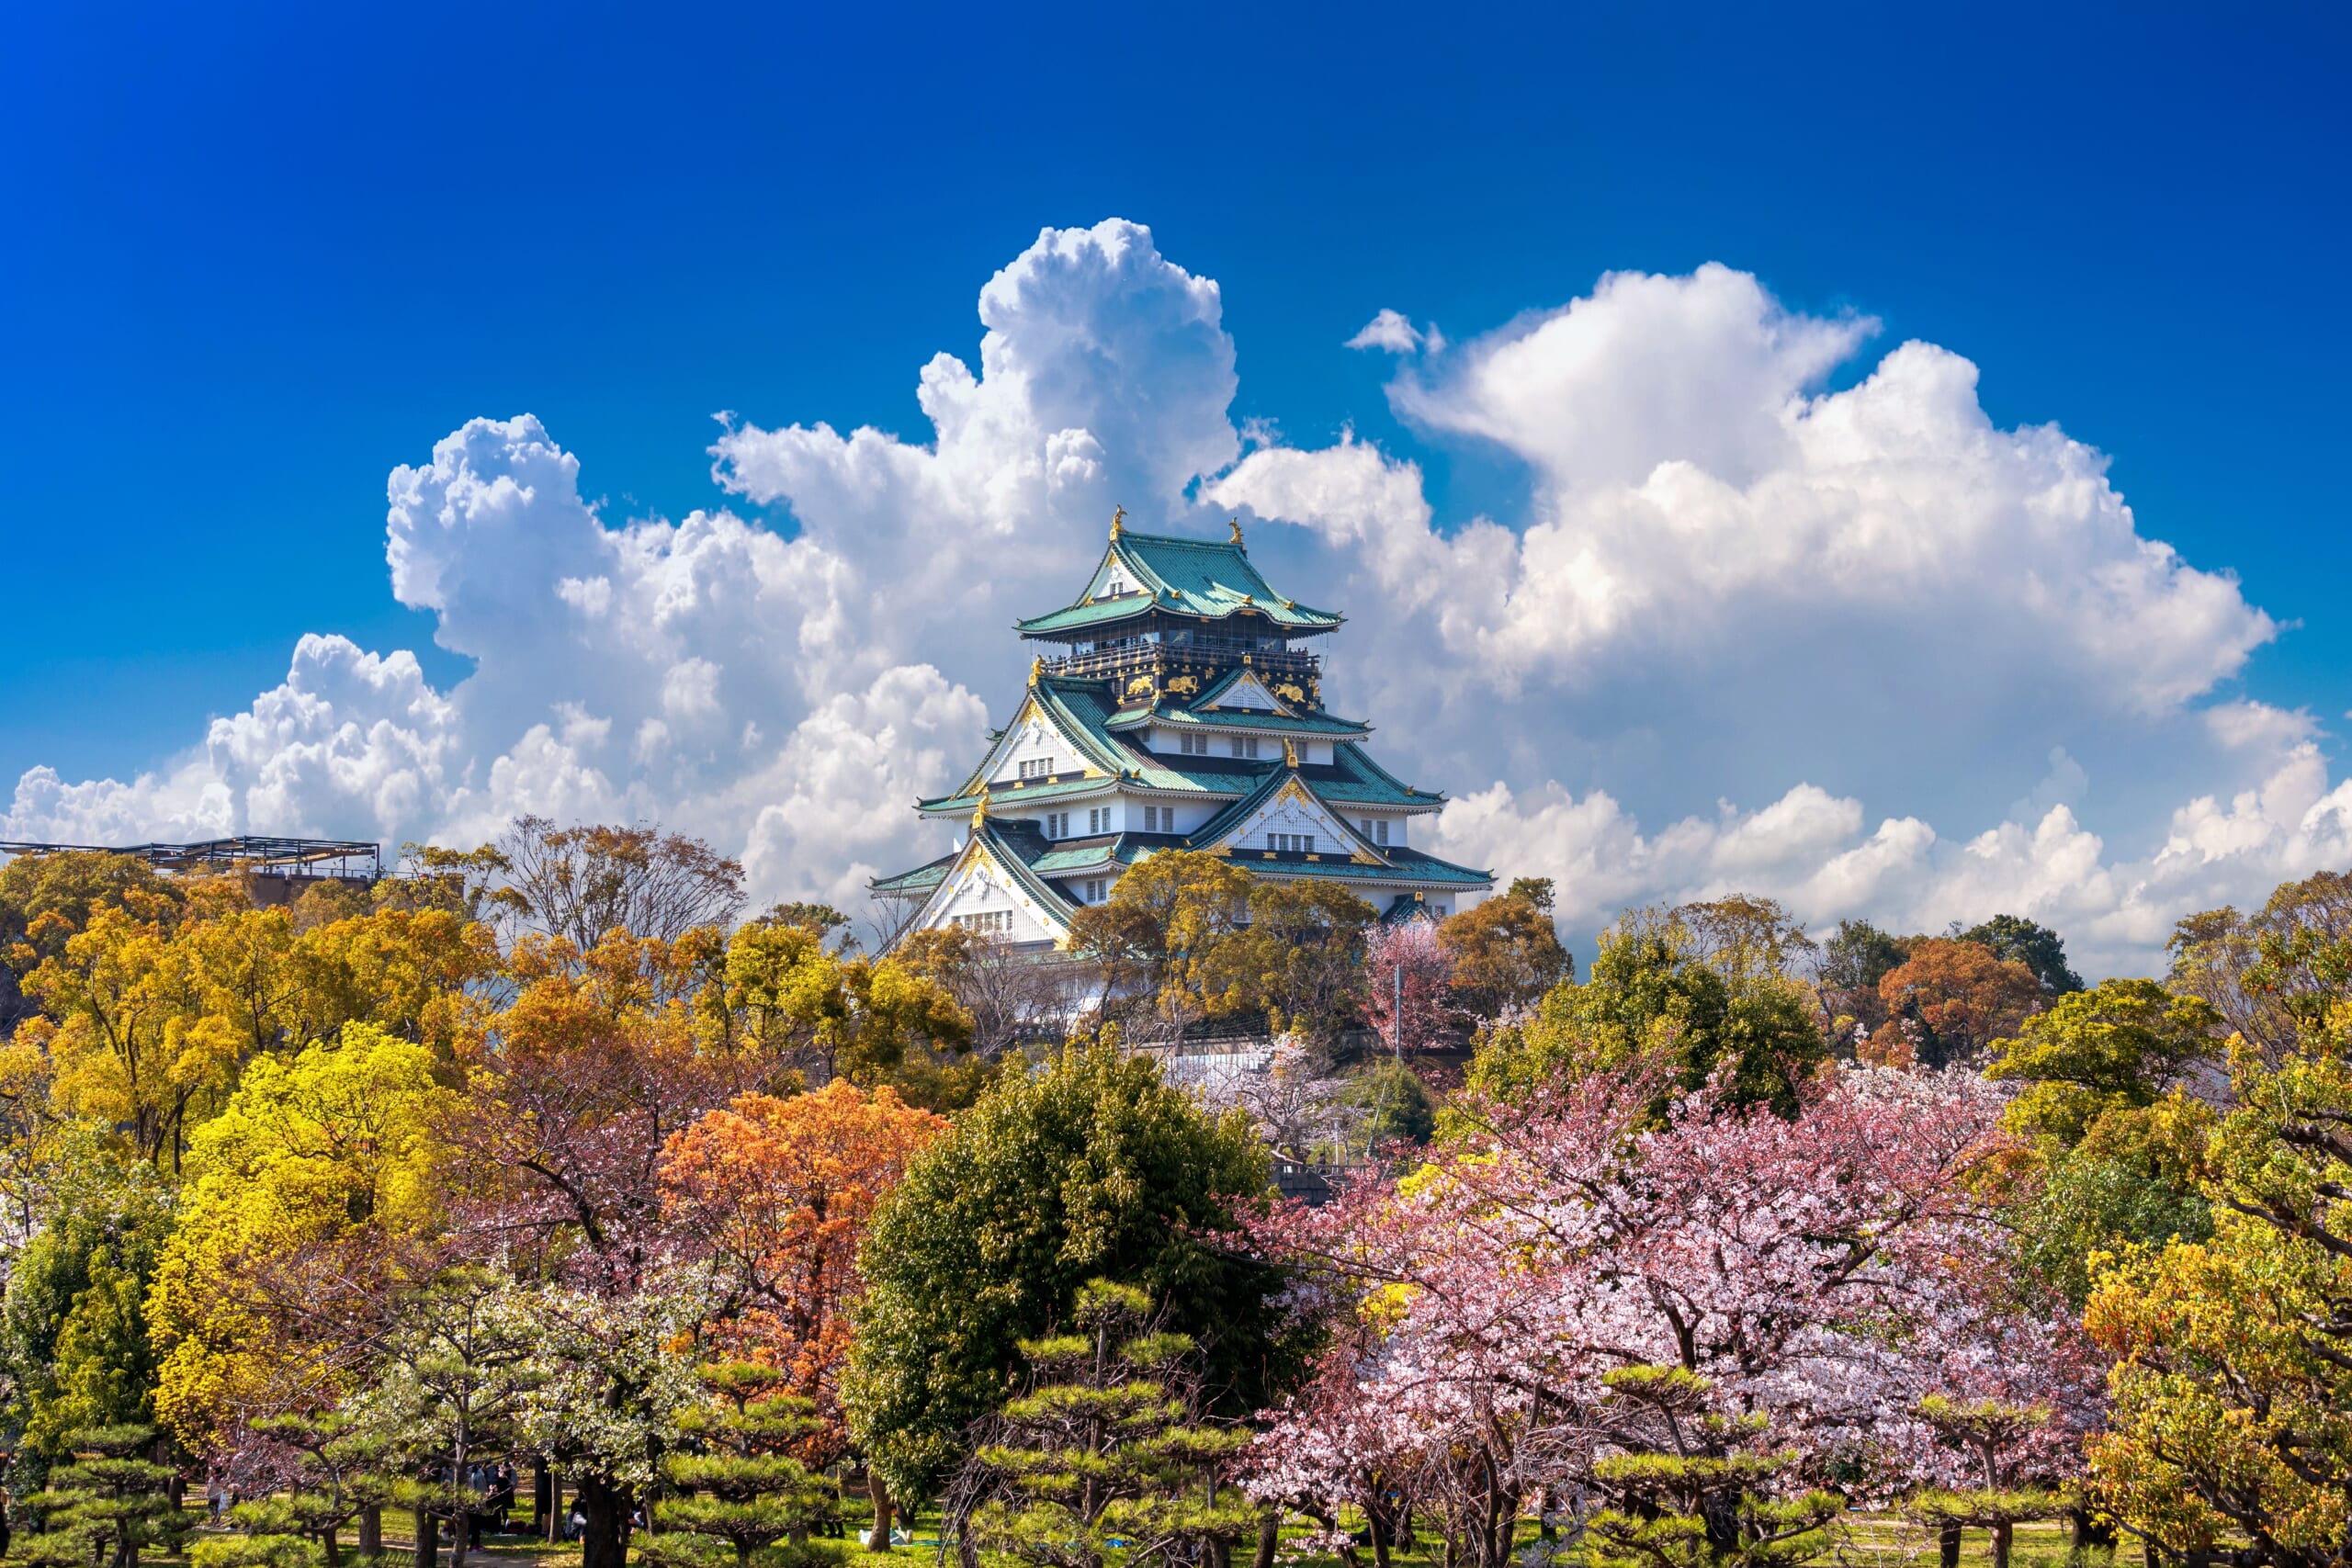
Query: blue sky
{"points": [[256, 259]]}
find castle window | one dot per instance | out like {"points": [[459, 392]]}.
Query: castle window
{"points": [[1245, 748], [988, 922], [1380, 832], [1192, 745], [1058, 824], [1098, 819], [1037, 768], [1292, 843], [1097, 888], [1153, 817]]}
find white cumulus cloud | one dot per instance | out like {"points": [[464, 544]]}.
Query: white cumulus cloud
{"points": [[1749, 632]]}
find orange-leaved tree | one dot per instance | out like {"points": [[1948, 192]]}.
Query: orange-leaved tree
{"points": [[780, 1191]]}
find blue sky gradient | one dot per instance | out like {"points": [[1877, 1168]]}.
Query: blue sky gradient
{"points": [[257, 258]]}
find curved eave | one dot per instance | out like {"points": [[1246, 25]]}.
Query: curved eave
{"points": [[1252, 721]]}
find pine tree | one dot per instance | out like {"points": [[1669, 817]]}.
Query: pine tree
{"points": [[341, 1470], [744, 1488], [1985, 1428], [1691, 1487], [1101, 1461], [108, 1503]]}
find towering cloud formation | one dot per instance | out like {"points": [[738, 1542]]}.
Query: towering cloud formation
{"points": [[1728, 584]]}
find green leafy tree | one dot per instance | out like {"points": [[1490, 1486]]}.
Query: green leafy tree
{"points": [[1852, 961], [77, 1338], [105, 1506], [2116, 1139], [2015, 939], [1087, 1167], [2124, 1045], [1102, 1458], [1654, 996], [742, 1489]]}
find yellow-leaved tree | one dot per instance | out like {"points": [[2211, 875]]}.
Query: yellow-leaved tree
{"points": [[318, 1191]]}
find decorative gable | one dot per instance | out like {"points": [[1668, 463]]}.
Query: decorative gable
{"points": [[1035, 745], [1245, 691], [1287, 820], [982, 892]]}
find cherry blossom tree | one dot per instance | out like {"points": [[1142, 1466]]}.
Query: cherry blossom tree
{"points": [[1690, 1321]]}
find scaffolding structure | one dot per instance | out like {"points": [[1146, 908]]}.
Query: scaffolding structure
{"points": [[347, 859]]}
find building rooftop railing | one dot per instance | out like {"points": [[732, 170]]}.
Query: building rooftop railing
{"points": [[1096, 663], [347, 858]]}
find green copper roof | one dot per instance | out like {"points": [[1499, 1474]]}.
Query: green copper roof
{"points": [[1407, 868], [1190, 718], [906, 883], [1202, 578]]}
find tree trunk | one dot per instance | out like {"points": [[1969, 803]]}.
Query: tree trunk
{"points": [[552, 1516], [1270, 1537], [428, 1543], [2003, 1534], [371, 1532], [331, 1543], [604, 1541], [541, 1505], [881, 1540], [1947, 1547]]}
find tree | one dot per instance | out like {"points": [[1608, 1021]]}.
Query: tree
{"points": [[334, 1471], [108, 1504], [779, 1194], [317, 1195], [2234, 1352], [1011, 997], [744, 1487], [1103, 1457], [1409, 976], [46, 898], [80, 1348], [581, 884], [1087, 1166], [1948, 1002], [1705, 1315], [2125, 1046], [789, 1004], [1990, 1431], [1688, 1484], [132, 1045], [458, 1359], [1506, 951], [1853, 962], [2013, 938], [1301, 957], [1162, 940], [1653, 997], [2259, 970]]}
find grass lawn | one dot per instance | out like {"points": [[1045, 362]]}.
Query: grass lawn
{"points": [[1863, 1540]]}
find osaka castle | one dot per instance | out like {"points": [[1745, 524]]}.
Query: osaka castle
{"points": [[1175, 704]]}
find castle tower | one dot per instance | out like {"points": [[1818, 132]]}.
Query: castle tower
{"points": [[1176, 710]]}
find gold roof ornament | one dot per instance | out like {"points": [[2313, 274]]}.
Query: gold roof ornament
{"points": [[1236, 532], [1290, 753], [981, 812], [1118, 520], [1036, 668]]}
